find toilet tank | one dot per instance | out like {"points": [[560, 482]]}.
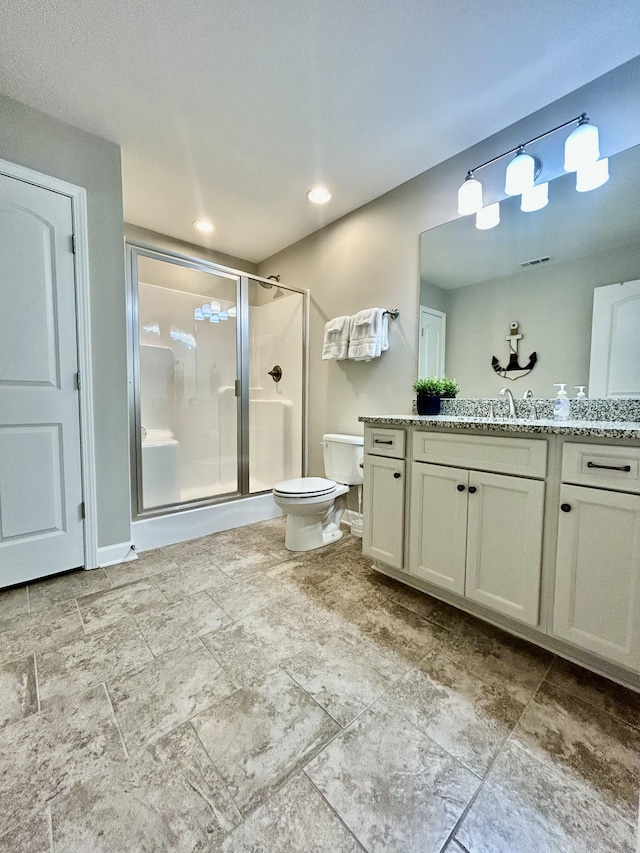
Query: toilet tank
{"points": [[342, 453]]}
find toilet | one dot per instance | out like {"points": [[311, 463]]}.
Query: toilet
{"points": [[312, 519]]}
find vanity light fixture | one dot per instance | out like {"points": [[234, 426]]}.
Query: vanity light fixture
{"points": [[581, 155], [319, 195], [469, 196], [535, 198], [488, 217], [203, 225], [593, 176], [521, 173]]}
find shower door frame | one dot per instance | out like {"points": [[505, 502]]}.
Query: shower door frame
{"points": [[133, 250]]}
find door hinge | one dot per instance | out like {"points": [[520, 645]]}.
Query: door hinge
{"points": [[82, 512], [237, 387], [78, 380], [74, 245]]}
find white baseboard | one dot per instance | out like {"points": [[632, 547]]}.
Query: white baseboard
{"points": [[350, 515], [163, 530], [112, 554]]}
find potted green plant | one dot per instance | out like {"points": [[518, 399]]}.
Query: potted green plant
{"points": [[450, 388], [428, 392]]}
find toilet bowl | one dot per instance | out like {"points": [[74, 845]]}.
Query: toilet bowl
{"points": [[313, 520]]}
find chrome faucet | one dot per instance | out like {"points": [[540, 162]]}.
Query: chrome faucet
{"points": [[506, 392], [528, 394]]}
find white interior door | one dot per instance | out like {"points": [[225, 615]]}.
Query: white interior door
{"points": [[615, 341], [432, 342], [41, 527]]}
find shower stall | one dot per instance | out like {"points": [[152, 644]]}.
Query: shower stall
{"points": [[218, 362]]}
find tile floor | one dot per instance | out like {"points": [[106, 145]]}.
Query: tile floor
{"points": [[225, 694]]}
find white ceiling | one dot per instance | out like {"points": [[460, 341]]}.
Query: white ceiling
{"points": [[233, 110]]}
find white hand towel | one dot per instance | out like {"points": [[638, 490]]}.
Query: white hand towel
{"points": [[336, 338], [369, 334]]}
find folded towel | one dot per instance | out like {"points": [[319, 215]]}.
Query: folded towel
{"points": [[336, 338], [369, 334]]}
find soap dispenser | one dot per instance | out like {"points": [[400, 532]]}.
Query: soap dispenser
{"points": [[561, 405], [581, 394]]}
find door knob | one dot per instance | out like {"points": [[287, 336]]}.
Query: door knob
{"points": [[460, 487], [276, 373], [472, 490], [397, 475], [565, 507]]}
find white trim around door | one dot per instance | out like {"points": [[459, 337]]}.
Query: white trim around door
{"points": [[78, 196]]}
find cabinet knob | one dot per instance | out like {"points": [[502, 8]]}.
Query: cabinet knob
{"points": [[397, 475], [565, 507], [460, 487], [472, 490]]}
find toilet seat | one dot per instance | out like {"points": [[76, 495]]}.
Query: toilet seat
{"points": [[305, 487]]}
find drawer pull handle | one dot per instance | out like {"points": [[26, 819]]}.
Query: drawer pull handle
{"points": [[626, 468], [565, 507], [472, 490], [460, 487], [397, 475], [380, 441]]}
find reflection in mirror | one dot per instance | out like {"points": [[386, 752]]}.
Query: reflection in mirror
{"points": [[541, 270]]}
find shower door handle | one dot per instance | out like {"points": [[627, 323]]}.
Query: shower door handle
{"points": [[276, 373]]}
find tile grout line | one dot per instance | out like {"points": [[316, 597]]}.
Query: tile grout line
{"points": [[336, 813], [35, 672], [116, 721], [50, 828], [217, 772], [592, 704], [484, 778], [84, 627]]}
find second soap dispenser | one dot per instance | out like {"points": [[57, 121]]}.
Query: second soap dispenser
{"points": [[561, 405]]}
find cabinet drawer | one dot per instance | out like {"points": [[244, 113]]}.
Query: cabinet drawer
{"points": [[601, 466], [385, 442], [526, 457]]}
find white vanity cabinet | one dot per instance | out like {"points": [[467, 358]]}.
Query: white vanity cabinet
{"points": [[478, 533], [597, 585], [383, 500]]}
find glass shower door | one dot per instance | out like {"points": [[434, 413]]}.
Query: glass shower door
{"points": [[186, 408], [276, 347]]}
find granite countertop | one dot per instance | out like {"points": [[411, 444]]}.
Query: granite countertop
{"points": [[602, 429]]}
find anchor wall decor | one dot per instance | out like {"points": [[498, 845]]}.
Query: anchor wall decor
{"points": [[513, 370]]}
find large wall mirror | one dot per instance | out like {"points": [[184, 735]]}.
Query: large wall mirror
{"points": [[545, 271]]}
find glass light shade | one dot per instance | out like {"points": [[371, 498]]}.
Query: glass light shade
{"points": [[216, 307], [214, 318], [520, 174], [535, 199], [469, 197], [581, 148], [206, 310], [232, 311], [224, 315], [593, 176], [488, 217], [198, 315]]}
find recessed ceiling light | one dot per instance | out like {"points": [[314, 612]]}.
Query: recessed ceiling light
{"points": [[319, 195], [203, 225]]}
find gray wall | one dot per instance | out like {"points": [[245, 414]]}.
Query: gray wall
{"points": [[371, 257], [39, 142]]}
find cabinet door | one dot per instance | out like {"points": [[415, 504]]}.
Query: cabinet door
{"points": [[383, 533], [597, 593], [504, 544], [438, 529]]}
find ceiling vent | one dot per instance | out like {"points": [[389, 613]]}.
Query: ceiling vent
{"points": [[535, 262]]}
